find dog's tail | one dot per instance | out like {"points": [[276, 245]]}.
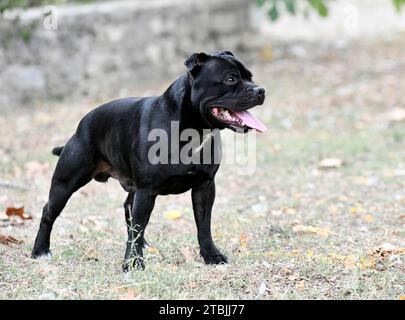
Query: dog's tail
{"points": [[57, 151]]}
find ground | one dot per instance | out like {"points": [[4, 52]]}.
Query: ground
{"points": [[291, 230]]}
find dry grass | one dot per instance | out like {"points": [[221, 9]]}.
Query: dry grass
{"points": [[327, 104]]}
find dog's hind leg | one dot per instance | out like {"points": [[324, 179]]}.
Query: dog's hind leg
{"points": [[73, 170]]}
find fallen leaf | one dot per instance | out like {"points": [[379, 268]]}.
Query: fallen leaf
{"points": [[334, 209], [152, 250], [297, 195], [386, 250], [300, 285], [355, 210], [360, 180], [365, 181], [7, 240], [366, 263], [349, 261], [17, 172], [343, 198], [310, 253], [93, 223], [394, 115], [172, 215], [289, 210], [217, 234], [276, 212], [92, 254], [402, 298], [295, 252], [243, 240], [173, 267], [369, 218], [129, 295], [19, 212], [286, 271], [313, 230], [188, 254], [294, 277], [192, 285], [330, 163]]}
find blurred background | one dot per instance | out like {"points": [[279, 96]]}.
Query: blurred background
{"points": [[81, 50], [323, 215]]}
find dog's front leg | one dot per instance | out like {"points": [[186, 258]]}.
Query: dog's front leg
{"points": [[139, 218], [203, 198]]}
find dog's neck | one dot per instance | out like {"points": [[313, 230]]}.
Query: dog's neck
{"points": [[179, 94]]}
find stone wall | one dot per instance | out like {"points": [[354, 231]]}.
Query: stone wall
{"points": [[107, 49]]}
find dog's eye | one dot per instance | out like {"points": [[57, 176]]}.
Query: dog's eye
{"points": [[230, 80]]}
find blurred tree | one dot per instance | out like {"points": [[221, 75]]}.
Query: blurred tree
{"points": [[294, 6], [8, 4]]}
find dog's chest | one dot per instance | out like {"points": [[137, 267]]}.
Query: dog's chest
{"points": [[179, 181]]}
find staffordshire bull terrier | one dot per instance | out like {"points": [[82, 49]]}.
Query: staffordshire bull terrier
{"points": [[113, 141]]}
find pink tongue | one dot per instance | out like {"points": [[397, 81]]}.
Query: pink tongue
{"points": [[249, 120]]}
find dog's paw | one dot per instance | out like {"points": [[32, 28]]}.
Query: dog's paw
{"points": [[214, 258], [41, 254], [134, 263]]}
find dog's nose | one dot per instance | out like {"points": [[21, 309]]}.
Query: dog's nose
{"points": [[259, 91]]}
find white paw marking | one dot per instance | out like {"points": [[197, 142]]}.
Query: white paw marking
{"points": [[47, 256]]}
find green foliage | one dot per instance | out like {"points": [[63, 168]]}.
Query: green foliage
{"points": [[398, 4], [294, 6], [5, 4], [25, 34], [319, 6]]}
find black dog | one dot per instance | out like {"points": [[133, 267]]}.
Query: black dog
{"points": [[112, 141]]}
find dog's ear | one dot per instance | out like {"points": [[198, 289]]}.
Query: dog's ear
{"points": [[225, 53], [195, 62]]}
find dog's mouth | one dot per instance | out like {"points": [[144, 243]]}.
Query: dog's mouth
{"points": [[234, 119]]}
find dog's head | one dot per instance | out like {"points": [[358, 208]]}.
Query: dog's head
{"points": [[223, 90]]}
